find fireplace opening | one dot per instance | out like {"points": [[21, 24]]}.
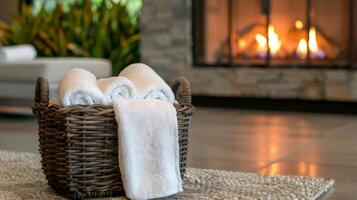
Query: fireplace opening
{"points": [[274, 33]]}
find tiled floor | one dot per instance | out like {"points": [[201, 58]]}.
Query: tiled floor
{"points": [[256, 141], [278, 143]]}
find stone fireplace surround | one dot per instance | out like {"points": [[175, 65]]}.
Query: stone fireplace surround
{"points": [[166, 45]]}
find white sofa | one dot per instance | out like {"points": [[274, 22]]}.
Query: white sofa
{"points": [[17, 79]]}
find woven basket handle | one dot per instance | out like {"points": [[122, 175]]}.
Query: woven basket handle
{"points": [[41, 93], [184, 92]]}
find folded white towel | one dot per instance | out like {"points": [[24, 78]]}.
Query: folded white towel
{"points": [[79, 86], [118, 87], [148, 84], [23, 52], [148, 148]]}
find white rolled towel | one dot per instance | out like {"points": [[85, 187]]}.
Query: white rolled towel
{"points": [[79, 87], [23, 52], [118, 87], [148, 84]]}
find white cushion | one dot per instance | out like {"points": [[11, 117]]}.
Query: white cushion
{"points": [[51, 68]]}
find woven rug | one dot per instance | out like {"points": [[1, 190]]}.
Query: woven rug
{"points": [[21, 178]]}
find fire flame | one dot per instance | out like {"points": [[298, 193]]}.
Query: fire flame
{"points": [[242, 44], [301, 49], [315, 51], [312, 40], [299, 24], [274, 42], [261, 43]]}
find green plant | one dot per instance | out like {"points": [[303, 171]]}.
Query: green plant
{"points": [[83, 29]]}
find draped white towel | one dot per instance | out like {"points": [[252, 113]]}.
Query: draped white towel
{"points": [[118, 87], [148, 148], [24, 52], [148, 84], [79, 87]]}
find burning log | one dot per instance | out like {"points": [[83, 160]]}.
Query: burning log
{"points": [[246, 39], [330, 48], [253, 43]]}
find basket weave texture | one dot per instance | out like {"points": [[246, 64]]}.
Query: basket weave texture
{"points": [[79, 144]]}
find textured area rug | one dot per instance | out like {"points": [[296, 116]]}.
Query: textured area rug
{"points": [[21, 178]]}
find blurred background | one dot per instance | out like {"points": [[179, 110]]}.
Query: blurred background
{"points": [[89, 28]]}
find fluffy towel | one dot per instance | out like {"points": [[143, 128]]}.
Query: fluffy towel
{"points": [[148, 148], [79, 86], [148, 84], [17, 53], [118, 87]]}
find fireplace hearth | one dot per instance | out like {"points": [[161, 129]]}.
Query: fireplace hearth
{"points": [[273, 33]]}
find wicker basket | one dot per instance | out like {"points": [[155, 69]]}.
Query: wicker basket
{"points": [[79, 144]]}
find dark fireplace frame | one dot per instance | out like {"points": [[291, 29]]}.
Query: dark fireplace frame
{"points": [[197, 28]]}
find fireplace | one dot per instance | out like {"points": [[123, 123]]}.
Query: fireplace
{"points": [[274, 33], [277, 49]]}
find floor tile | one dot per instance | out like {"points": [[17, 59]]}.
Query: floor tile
{"points": [[19, 141], [261, 147], [263, 122], [349, 131], [337, 151], [18, 133], [212, 161]]}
